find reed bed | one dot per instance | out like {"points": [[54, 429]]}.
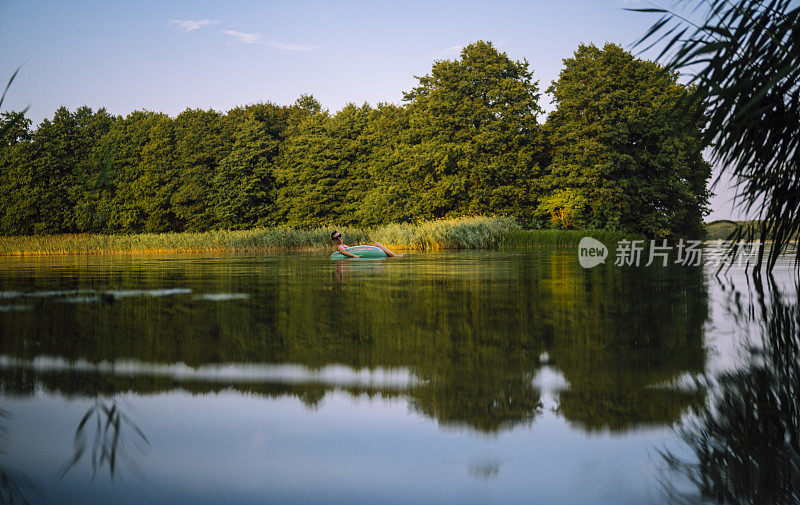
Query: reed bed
{"points": [[562, 238], [458, 233], [259, 239]]}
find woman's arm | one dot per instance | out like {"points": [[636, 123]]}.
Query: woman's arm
{"points": [[343, 249]]}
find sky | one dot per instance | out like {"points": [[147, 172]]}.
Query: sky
{"points": [[167, 56]]}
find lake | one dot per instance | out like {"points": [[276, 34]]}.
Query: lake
{"points": [[453, 377]]}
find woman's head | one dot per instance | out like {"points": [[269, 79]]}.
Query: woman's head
{"points": [[336, 236]]}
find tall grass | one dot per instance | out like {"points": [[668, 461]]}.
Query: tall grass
{"points": [[562, 238], [458, 233], [259, 239]]}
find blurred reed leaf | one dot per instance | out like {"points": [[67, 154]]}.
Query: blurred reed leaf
{"points": [[745, 442], [108, 443], [16, 116], [743, 57]]}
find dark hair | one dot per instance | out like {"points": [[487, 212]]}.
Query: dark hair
{"points": [[333, 235]]}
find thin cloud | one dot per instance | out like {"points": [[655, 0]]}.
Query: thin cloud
{"points": [[450, 51], [190, 25], [287, 46], [257, 38], [245, 38]]}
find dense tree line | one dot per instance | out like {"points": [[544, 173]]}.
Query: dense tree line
{"points": [[466, 141]]}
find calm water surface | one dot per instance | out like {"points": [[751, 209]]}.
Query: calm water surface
{"points": [[464, 377]]}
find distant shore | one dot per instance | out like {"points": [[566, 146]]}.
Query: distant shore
{"points": [[456, 233]]}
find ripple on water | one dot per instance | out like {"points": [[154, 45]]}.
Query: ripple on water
{"points": [[14, 308], [92, 296], [218, 297]]}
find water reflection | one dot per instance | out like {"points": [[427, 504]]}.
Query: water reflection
{"points": [[15, 486], [485, 469], [745, 440], [111, 430], [470, 329], [494, 362]]}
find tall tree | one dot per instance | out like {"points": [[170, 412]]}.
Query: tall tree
{"points": [[48, 175], [623, 159], [93, 192], [475, 135], [244, 180], [201, 142], [387, 192], [144, 173], [321, 167], [15, 208]]}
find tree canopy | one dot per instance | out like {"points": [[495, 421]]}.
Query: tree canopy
{"points": [[466, 141], [475, 135], [624, 157]]}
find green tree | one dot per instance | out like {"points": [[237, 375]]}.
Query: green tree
{"points": [[614, 155], [388, 190], [244, 180], [244, 183], [202, 141], [322, 168], [93, 191], [14, 143], [623, 159], [45, 182], [145, 174], [15, 128], [475, 138]]}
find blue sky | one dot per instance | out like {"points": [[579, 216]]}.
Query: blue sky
{"points": [[170, 55]]}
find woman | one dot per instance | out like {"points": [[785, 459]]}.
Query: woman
{"points": [[342, 247]]}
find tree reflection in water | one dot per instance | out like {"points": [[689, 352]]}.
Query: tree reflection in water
{"points": [[109, 427], [745, 440], [470, 336]]}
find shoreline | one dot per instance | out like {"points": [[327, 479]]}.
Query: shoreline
{"points": [[446, 234]]}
